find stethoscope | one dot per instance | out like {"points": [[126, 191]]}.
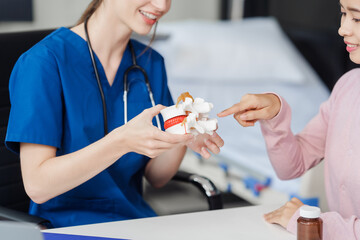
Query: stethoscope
{"points": [[133, 67]]}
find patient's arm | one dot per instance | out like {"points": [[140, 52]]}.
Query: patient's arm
{"points": [[292, 155]]}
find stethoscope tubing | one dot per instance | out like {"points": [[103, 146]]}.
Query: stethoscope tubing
{"points": [[97, 77], [135, 66]]}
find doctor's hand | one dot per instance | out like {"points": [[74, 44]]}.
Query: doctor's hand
{"points": [[283, 215], [254, 107], [202, 143], [141, 136]]}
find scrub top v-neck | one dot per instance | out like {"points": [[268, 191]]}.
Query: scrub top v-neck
{"points": [[55, 101]]}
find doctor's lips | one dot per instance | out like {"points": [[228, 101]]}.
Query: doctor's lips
{"points": [[351, 47], [190, 116], [149, 18]]}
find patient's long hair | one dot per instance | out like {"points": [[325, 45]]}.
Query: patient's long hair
{"points": [[94, 5]]}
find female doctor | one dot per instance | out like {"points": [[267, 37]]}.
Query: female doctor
{"points": [[72, 170]]}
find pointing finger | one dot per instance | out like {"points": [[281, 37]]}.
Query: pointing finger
{"points": [[231, 110]]}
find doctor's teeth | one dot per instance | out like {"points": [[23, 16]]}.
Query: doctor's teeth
{"points": [[148, 15], [351, 45]]}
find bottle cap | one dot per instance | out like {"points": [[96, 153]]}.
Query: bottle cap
{"points": [[309, 212]]}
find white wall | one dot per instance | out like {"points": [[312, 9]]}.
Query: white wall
{"points": [[56, 13], [49, 14], [194, 9]]}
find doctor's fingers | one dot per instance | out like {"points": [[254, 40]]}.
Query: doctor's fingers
{"points": [[173, 138], [205, 153], [213, 147], [217, 139], [155, 148]]}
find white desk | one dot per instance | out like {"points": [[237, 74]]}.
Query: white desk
{"points": [[236, 223]]}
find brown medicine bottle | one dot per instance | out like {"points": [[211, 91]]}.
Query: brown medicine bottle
{"points": [[309, 224]]}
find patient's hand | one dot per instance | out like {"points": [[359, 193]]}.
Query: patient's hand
{"points": [[283, 215], [254, 107]]}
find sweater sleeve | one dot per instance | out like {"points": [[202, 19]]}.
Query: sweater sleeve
{"points": [[334, 226], [292, 155]]}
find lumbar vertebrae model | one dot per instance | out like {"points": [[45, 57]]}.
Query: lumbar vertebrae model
{"points": [[189, 116]]}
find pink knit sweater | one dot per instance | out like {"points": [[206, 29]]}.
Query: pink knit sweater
{"points": [[334, 137]]}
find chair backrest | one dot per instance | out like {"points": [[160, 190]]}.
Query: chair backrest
{"points": [[12, 45]]}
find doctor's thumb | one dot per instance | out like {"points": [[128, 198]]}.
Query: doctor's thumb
{"points": [[153, 111]]}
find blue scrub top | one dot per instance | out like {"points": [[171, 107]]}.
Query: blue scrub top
{"points": [[55, 101]]}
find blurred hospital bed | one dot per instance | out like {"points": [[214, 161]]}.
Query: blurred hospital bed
{"points": [[222, 61]]}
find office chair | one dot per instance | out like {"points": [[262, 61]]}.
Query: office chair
{"points": [[14, 202]]}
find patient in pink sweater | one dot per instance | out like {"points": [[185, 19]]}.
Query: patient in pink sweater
{"points": [[333, 136]]}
